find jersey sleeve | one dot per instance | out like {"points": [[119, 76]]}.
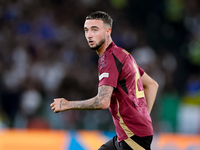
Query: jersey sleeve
{"points": [[108, 74], [140, 70]]}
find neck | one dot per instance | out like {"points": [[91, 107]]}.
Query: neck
{"points": [[103, 48]]}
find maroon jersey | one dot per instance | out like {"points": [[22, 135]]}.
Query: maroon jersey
{"points": [[117, 68]]}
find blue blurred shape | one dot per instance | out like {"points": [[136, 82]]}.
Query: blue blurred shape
{"points": [[109, 134], [74, 143], [24, 28]]}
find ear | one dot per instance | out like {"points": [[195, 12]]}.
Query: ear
{"points": [[108, 31]]}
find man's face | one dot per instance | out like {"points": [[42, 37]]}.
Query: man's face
{"points": [[95, 33]]}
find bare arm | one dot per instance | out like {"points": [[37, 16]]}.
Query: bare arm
{"points": [[150, 90], [101, 101]]}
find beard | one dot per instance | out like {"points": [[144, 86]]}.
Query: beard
{"points": [[98, 45]]}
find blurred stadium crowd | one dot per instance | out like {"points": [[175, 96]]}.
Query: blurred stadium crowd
{"points": [[44, 55]]}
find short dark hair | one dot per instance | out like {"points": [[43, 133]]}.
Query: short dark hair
{"points": [[100, 15]]}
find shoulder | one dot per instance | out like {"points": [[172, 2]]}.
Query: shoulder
{"points": [[111, 55], [120, 53]]}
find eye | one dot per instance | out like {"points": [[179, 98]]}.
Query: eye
{"points": [[95, 29], [85, 29]]}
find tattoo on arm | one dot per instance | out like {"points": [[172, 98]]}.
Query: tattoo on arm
{"points": [[104, 92], [61, 104], [102, 99]]}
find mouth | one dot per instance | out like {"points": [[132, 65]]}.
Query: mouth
{"points": [[91, 42]]}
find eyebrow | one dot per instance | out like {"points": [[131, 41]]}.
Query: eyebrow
{"points": [[91, 27], [94, 27]]}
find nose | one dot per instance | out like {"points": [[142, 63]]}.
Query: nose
{"points": [[88, 34]]}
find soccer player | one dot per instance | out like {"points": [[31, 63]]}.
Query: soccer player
{"points": [[124, 88]]}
